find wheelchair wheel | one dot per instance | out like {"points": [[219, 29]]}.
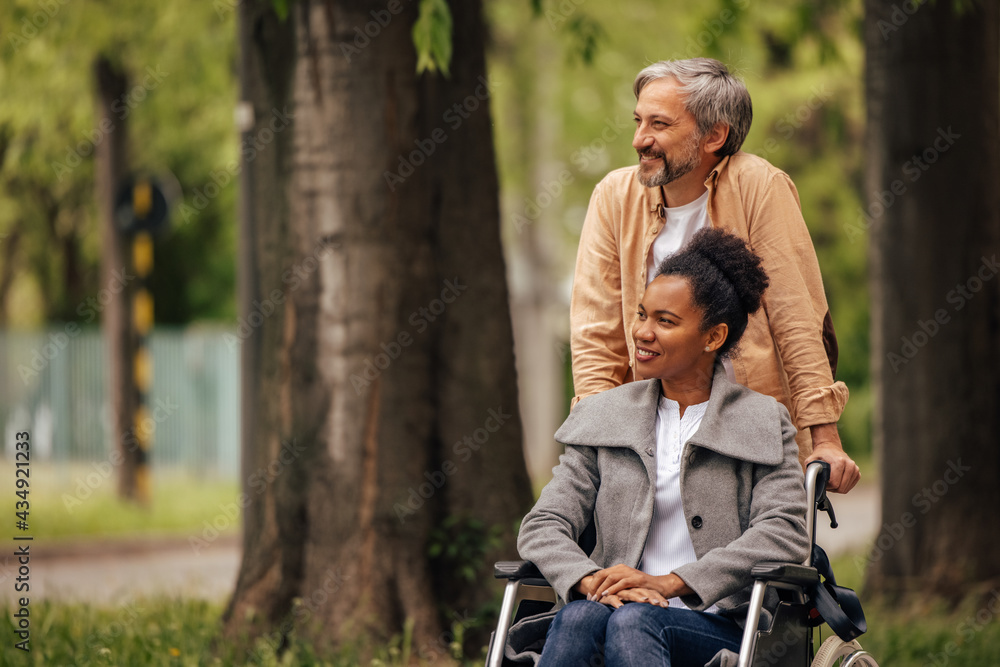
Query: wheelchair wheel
{"points": [[835, 652]]}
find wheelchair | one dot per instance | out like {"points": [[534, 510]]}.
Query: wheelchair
{"points": [[787, 641]]}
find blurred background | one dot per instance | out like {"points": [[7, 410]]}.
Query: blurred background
{"points": [[558, 129], [561, 100]]}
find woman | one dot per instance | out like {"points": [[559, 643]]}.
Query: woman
{"points": [[688, 478]]}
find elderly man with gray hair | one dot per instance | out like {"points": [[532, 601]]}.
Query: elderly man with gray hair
{"points": [[691, 117]]}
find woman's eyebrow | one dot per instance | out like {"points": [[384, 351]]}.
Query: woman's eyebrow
{"points": [[668, 312]]}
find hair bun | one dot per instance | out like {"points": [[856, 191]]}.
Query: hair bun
{"points": [[740, 266]]}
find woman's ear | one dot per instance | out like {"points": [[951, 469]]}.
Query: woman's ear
{"points": [[716, 337]]}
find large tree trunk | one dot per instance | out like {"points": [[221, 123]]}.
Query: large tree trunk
{"points": [[377, 340], [111, 162], [934, 215]]}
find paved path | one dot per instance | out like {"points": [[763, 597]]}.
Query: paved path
{"points": [[114, 572], [859, 516]]}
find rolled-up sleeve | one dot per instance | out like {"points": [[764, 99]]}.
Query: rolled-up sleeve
{"points": [[795, 303], [598, 339]]}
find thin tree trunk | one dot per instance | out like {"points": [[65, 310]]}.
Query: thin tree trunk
{"points": [[111, 162], [934, 215], [382, 357]]}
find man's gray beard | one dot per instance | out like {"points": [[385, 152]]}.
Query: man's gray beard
{"points": [[668, 173]]}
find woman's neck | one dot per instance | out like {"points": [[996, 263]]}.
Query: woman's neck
{"points": [[689, 390]]}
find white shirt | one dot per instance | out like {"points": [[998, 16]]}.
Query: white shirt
{"points": [[668, 545], [680, 225]]}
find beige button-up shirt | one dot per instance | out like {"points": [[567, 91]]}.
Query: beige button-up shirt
{"points": [[788, 349]]}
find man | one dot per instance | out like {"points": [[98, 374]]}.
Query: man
{"points": [[691, 118]]}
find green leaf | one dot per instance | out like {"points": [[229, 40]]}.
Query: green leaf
{"points": [[280, 8], [432, 37]]}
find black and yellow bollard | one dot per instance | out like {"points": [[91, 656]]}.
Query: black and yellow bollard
{"points": [[142, 322]]}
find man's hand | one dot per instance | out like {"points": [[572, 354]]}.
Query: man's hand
{"points": [[844, 472]]}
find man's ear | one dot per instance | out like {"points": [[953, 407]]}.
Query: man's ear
{"points": [[716, 137]]}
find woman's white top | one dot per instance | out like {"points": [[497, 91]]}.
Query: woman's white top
{"points": [[668, 545]]}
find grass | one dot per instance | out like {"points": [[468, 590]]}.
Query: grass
{"points": [[161, 633], [173, 632], [79, 502]]}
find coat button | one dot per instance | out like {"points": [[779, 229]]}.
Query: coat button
{"points": [[649, 451], [696, 522]]}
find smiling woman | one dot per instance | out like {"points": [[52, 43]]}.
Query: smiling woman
{"points": [[689, 479]]}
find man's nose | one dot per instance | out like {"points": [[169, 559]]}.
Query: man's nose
{"points": [[641, 139]]}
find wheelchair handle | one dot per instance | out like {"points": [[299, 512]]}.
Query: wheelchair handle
{"points": [[817, 477]]}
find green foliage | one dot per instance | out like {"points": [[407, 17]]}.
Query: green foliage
{"points": [[280, 8], [432, 36], [460, 545], [179, 58]]}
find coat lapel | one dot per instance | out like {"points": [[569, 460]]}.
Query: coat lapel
{"points": [[738, 422]]}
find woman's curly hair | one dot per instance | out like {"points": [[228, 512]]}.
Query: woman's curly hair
{"points": [[726, 278]]}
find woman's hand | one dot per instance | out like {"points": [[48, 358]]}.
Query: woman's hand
{"points": [[585, 587], [630, 584]]}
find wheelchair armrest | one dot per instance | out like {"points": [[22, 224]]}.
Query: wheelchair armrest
{"points": [[788, 573], [516, 569]]}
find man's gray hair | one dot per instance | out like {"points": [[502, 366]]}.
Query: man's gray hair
{"points": [[713, 96]]}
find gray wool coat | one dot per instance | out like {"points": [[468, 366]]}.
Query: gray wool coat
{"points": [[741, 490]]}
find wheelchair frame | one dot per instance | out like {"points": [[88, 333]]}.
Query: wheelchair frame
{"points": [[526, 584]]}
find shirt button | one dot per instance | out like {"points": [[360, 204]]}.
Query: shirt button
{"points": [[649, 451], [696, 522]]}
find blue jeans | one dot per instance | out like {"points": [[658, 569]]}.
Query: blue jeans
{"points": [[591, 634]]}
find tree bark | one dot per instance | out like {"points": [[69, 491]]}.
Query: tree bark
{"points": [[111, 168], [377, 338], [933, 209]]}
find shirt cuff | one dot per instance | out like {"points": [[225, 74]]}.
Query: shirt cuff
{"points": [[820, 406]]}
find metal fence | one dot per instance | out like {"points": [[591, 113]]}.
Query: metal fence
{"points": [[53, 383]]}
